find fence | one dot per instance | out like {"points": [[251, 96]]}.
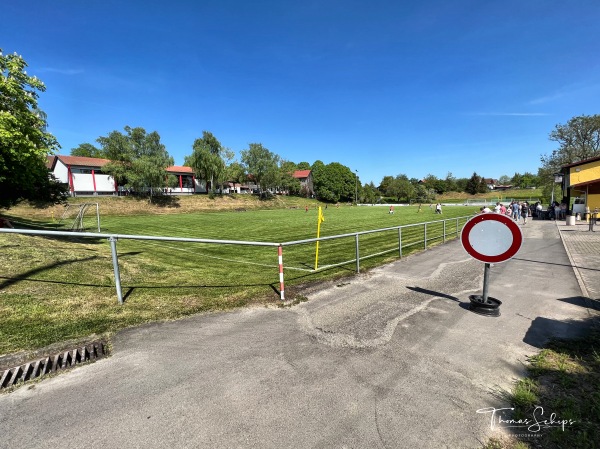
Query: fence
{"points": [[407, 236]]}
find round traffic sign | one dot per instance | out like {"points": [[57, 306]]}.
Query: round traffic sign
{"points": [[491, 237]]}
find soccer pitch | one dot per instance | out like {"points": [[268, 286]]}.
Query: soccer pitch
{"points": [[56, 289]]}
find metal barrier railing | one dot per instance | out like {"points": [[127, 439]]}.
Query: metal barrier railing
{"points": [[113, 238]]}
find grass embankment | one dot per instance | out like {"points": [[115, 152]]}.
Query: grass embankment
{"points": [[57, 289], [564, 379]]}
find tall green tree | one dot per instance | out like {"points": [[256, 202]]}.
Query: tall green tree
{"points": [[262, 165], [24, 141], [137, 160], [87, 150], [475, 184], [334, 182], [207, 159], [370, 193], [424, 194], [450, 183], [578, 139], [287, 180], [504, 180]]}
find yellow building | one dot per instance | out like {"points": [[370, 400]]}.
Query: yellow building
{"points": [[581, 183]]}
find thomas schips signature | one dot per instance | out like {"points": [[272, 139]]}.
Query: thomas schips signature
{"points": [[534, 424]]}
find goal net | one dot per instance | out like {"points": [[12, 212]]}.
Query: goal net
{"points": [[81, 217]]}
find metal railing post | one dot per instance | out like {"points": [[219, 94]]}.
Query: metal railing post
{"points": [[444, 240], [281, 283], [400, 242], [113, 249], [457, 226], [425, 235], [357, 256]]}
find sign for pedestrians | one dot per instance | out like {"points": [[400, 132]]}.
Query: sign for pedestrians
{"points": [[491, 237]]}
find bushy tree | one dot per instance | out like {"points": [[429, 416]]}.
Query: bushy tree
{"points": [[137, 160], [450, 183], [423, 194], [370, 193], [87, 150], [207, 159], [24, 141], [578, 139], [334, 182], [475, 184], [504, 180], [262, 164], [287, 180]]}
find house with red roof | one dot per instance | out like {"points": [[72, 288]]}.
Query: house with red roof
{"points": [[306, 181], [83, 175], [187, 181]]}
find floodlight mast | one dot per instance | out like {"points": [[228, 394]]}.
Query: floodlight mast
{"points": [[356, 187]]}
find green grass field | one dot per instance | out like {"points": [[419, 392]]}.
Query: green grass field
{"points": [[54, 289]]}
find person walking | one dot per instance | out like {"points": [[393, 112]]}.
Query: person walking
{"points": [[515, 210], [438, 208], [524, 211]]}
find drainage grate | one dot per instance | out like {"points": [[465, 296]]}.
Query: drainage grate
{"points": [[51, 364]]}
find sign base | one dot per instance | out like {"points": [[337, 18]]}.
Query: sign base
{"points": [[489, 308]]}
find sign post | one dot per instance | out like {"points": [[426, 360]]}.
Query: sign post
{"points": [[490, 238]]}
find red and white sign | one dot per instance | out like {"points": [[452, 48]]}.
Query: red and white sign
{"points": [[491, 237]]}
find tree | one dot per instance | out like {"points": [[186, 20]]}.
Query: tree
{"points": [[87, 150], [474, 184], [578, 139], [423, 194], [137, 160], [504, 180], [385, 184], [450, 183], [235, 172], [370, 193], [334, 182], [24, 141], [259, 162], [287, 180], [207, 159]]}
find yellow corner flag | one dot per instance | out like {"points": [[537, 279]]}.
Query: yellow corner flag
{"points": [[320, 219]]}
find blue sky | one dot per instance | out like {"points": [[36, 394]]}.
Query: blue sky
{"points": [[383, 87]]}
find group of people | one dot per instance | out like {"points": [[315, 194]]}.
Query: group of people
{"points": [[516, 210]]}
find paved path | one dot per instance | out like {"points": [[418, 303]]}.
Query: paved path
{"points": [[387, 359], [583, 248]]}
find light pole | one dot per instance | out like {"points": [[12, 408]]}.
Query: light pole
{"points": [[356, 188], [557, 179]]}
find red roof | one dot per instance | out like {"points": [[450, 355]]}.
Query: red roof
{"points": [[180, 169], [300, 174], [50, 162], [83, 161]]}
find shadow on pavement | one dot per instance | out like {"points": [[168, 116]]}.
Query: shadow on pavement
{"points": [[542, 330]]}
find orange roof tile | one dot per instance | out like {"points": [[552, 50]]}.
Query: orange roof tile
{"points": [[83, 161], [301, 174]]}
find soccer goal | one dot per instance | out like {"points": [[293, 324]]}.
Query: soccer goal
{"points": [[81, 217]]}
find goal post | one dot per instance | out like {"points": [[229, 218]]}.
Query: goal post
{"points": [[81, 217]]}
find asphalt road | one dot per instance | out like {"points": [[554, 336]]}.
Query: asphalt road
{"points": [[388, 359]]}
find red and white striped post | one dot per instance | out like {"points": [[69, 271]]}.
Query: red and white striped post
{"points": [[281, 287]]}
